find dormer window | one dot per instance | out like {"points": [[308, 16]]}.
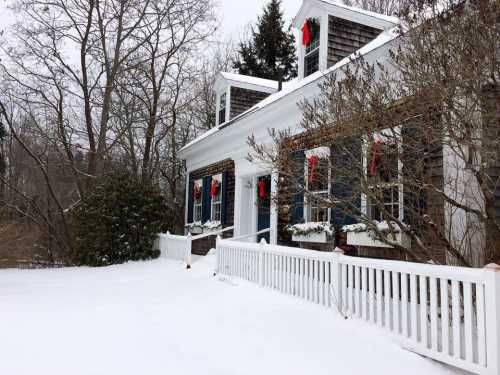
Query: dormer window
{"points": [[222, 109], [311, 41]]}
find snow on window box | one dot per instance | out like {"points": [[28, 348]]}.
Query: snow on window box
{"points": [[311, 232], [199, 228], [360, 235], [210, 226]]}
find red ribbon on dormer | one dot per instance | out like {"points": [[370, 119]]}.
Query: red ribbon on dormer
{"points": [[262, 189], [306, 34], [312, 162], [375, 157], [214, 188]]}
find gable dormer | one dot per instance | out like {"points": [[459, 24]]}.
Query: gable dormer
{"points": [[236, 93], [334, 31]]}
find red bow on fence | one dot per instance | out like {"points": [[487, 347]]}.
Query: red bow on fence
{"points": [[375, 157], [306, 34], [214, 188], [312, 161]]}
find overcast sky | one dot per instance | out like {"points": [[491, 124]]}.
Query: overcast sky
{"points": [[236, 14]]}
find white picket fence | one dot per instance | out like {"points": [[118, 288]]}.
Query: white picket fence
{"points": [[175, 247], [450, 314]]}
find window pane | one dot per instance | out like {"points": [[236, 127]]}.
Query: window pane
{"points": [[317, 208], [311, 63], [222, 116]]}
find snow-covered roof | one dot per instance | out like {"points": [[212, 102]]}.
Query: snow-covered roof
{"points": [[338, 9], [294, 85], [339, 3], [250, 80], [225, 79]]}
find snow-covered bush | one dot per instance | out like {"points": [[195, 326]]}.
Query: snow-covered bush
{"points": [[117, 221]]}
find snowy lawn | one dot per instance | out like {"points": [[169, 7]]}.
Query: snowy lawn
{"points": [[158, 318]]}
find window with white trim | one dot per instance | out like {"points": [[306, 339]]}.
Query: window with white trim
{"points": [[311, 53], [222, 108], [383, 176], [317, 178], [197, 201], [216, 195]]}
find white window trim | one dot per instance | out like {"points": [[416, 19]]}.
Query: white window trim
{"points": [[317, 49], [320, 152], [213, 202], [366, 147], [200, 205], [226, 91]]}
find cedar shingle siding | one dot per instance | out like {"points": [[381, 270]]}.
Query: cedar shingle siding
{"points": [[201, 247], [345, 37], [243, 99]]}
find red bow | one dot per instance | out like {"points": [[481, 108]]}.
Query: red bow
{"points": [[372, 167], [196, 191], [311, 167], [262, 189], [214, 188], [306, 34]]}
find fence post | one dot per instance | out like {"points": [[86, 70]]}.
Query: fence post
{"points": [[165, 241], [337, 279], [218, 259], [492, 310], [189, 246], [262, 244]]}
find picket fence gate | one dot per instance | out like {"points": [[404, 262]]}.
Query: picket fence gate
{"points": [[450, 314], [175, 247]]}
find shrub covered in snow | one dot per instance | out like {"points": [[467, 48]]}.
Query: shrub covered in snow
{"points": [[117, 221]]}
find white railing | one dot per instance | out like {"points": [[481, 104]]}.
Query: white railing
{"points": [[451, 314], [176, 247]]}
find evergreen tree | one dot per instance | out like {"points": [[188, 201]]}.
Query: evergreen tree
{"points": [[270, 44], [117, 221]]}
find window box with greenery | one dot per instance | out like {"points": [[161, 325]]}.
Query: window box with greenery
{"points": [[362, 235], [312, 232]]}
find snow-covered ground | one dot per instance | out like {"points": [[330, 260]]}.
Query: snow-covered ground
{"points": [[158, 318]]}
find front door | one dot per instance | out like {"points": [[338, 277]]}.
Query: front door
{"points": [[263, 206]]}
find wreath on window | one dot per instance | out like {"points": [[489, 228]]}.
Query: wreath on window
{"points": [[261, 189], [380, 158], [312, 163], [310, 31], [196, 191], [214, 188]]}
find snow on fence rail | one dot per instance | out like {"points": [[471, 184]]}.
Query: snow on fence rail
{"points": [[450, 314]]}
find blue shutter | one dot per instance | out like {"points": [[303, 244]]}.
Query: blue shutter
{"points": [[224, 184], [206, 200], [346, 157], [190, 202], [297, 211]]}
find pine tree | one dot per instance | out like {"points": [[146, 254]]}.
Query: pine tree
{"points": [[270, 44]]}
